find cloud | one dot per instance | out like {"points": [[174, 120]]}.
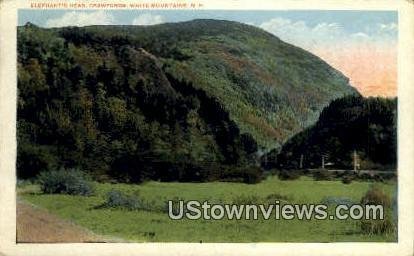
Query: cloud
{"points": [[328, 29], [390, 27], [301, 34], [360, 35], [79, 19], [148, 19]]}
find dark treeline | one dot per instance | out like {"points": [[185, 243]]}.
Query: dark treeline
{"points": [[350, 127]]}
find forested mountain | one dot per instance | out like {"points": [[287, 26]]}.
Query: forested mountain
{"points": [[152, 101], [350, 127]]}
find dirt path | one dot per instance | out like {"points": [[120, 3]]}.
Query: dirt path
{"points": [[39, 226]]}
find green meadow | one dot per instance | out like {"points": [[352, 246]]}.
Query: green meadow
{"points": [[152, 224]]}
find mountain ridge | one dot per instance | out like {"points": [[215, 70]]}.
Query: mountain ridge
{"points": [[121, 98]]}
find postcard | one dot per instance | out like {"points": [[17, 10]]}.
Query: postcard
{"points": [[206, 127]]}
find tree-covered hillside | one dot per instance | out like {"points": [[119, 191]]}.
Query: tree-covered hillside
{"points": [[351, 127], [155, 101]]}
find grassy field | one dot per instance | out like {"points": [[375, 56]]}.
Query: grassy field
{"points": [[155, 225]]}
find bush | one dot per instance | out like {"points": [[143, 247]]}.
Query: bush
{"points": [[289, 175], [364, 176], [247, 174], [347, 179], [376, 227], [116, 199], [65, 181], [389, 176], [322, 175], [378, 178], [252, 175], [375, 195]]}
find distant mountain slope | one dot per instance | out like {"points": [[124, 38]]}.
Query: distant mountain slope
{"points": [[135, 97], [271, 89], [350, 127]]}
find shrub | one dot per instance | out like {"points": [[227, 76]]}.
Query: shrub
{"points": [[375, 195], [376, 227], [247, 174], [378, 178], [347, 179], [273, 172], [364, 176], [322, 175], [116, 199], [131, 202], [289, 175], [388, 176], [252, 175], [65, 181]]}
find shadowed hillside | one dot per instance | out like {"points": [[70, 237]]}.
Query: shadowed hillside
{"points": [[365, 128], [169, 102]]}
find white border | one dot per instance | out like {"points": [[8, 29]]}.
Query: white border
{"points": [[8, 77]]}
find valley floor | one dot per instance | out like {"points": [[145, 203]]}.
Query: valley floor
{"points": [[52, 217]]}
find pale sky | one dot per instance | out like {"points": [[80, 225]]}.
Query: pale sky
{"points": [[361, 44]]}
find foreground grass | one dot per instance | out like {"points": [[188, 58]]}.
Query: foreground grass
{"points": [[153, 226]]}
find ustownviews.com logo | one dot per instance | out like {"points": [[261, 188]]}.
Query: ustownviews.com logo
{"points": [[195, 210]]}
